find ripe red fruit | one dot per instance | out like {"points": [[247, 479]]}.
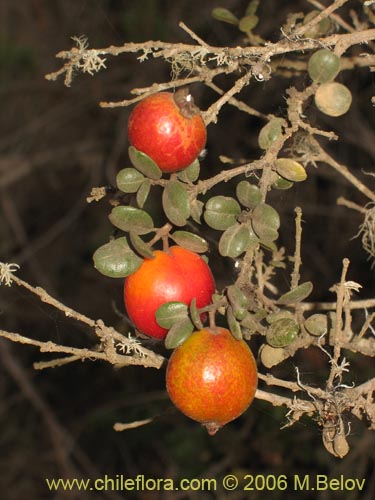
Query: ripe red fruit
{"points": [[177, 275], [212, 377], [169, 129]]}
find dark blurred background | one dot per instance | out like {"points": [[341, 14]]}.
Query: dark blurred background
{"points": [[55, 144]]}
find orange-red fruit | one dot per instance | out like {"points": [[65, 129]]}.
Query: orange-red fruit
{"points": [[177, 275], [169, 129], [212, 377]]}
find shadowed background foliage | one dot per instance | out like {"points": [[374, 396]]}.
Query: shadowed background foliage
{"points": [[55, 144]]}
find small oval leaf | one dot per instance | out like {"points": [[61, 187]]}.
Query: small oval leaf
{"points": [[131, 219], [233, 324], [194, 314], [116, 259], [141, 247], [248, 195], [238, 301], [128, 180], [196, 208], [248, 23], [221, 212], [291, 170], [176, 203], [282, 332], [170, 313], [281, 183], [270, 133], [266, 222], [143, 192], [317, 325], [272, 356], [225, 15], [190, 173], [178, 333], [144, 164], [272, 317], [236, 240], [191, 241], [297, 294]]}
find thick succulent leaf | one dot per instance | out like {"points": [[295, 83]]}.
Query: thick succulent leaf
{"points": [[270, 133], [236, 240], [129, 179], [191, 241], [290, 170], [248, 195], [170, 313], [176, 203], [143, 192], [116, 259], [196, 208], [140, 246], [221, 212], [144, 164], [225, 15], [282, 332], [248, 23], [266, 222], [131, 219], [281, 183], [272, 356], [317, 324], [194, 314], [233, 324], [178, 333], [238, 301], [190, 173], [297, 294]]}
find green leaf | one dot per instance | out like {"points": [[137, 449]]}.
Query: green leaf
{"points": [[290, 170], [281, 183], [297, 294], [266, 222], [178, 333], [116, 259], [190, 173], [248, 23], [248, 194], [196, 208], [282, 332], [221, 212], [170, 313], [270, 133], [238, 301], [252, 7], [225, 15], [143, 192], [272, 317], [191, 241], [194, 314], [176, 203], [141, 247], [323, 66], [233, 324], [128, 180], [131, 219], [236, 240], [144, 164], [317, 325]]}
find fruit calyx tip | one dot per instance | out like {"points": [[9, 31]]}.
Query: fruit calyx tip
{"points": [[185, 103], [212, 428]]}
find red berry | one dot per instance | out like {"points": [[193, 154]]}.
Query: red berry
{"points": [[169, 129], [177, 275], [212, 377]]}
